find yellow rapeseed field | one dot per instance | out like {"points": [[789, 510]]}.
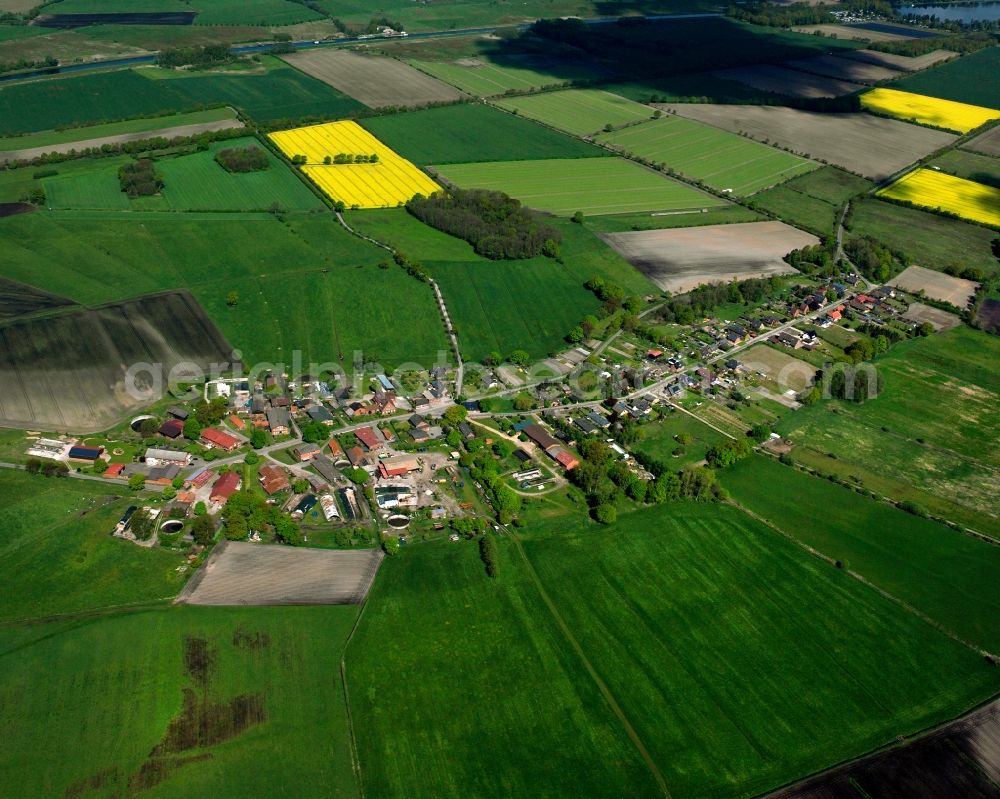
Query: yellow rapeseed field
{"points": [[960, 117], [385, 184], [933, 189]]}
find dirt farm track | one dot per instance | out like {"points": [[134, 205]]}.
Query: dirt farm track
{"points": [[241, 573]]}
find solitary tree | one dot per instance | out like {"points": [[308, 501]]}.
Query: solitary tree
{"points": [[137, 482], [192, 429]]}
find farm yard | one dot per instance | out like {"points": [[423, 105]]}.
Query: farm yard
{"points": [[67, 372], [389, 182], [582, 112], [722, 160], [936, 285], [812, 201], [375, 81], [867, 145], [591, 185], [680, 259], [939, 191], [788, 82], [946, 114], [784, 370], [473, 132]]}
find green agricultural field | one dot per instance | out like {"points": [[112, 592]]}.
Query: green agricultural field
{"points": [[947, 575], [971, 166], [970, 79], [928, 239], [178, 702], [581, 112], [97, 187], [484, 77], [812, 201], [53, 137], [727, 214], [303, 284], [721, 160], [282, 93], [933, 434], [507, 305], [742, 662], [473, 132], [486, 652], [210, 12], [700, 87], [659, 440], [56, 544], [592, 185]]}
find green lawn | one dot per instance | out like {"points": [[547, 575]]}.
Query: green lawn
{"points": [[659, 440], [578, 111], [52, 137], [970, 79], [928, 239], [59, 556], [303, 284], [942, 391], [949, 576], [741, 661], [473, 132], [593, 185], [102, 694], [715, 157], [486, 77], [812, 201]]}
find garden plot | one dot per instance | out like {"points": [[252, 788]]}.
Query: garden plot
{"points": [[847, 69], [785, 370], [241, 573], [375, 81], [871, 146], [770, 78], [936, 285], [681, 259]]}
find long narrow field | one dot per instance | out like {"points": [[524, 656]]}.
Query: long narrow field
{"points": [[947, 114], [489, 652], [55, 537], [722, 160], [473, 132], [932, 189], [867, 145], [788, 82], [933, 430], [178, 702], [949, 576], [593, 185], [741, 661], [482, 76], [390, 182], [581, 112]]}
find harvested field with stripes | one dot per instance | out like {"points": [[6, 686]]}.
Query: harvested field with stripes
{"points": [[581, 112], [241, 573], [390, 182]]}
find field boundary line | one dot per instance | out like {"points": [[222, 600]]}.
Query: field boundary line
{"points": [[598, 681], [979, 650], [355, 757]]}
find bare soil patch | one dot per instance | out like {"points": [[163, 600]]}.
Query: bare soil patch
{"points": [[789, 82], [987, 143], [166, 133], [989, 315], [781, 367], [240, 573], [844, 69], [907, 63], [861, 143], [936, 285], [942, 320], [13, 209], [681, 259], [373, 80]]}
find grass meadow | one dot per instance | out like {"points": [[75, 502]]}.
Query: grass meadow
{"points": [[715, 157], [151, 703], [581, 112], [812, 201], [659, 440], [932, 436], [592, 186], [928, 239], [947, 575], [473, 132], [304, 283], [56, 544]]}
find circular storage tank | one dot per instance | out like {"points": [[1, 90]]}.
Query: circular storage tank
{"points": [[172, 526], [138, 420], [398, 521]]}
